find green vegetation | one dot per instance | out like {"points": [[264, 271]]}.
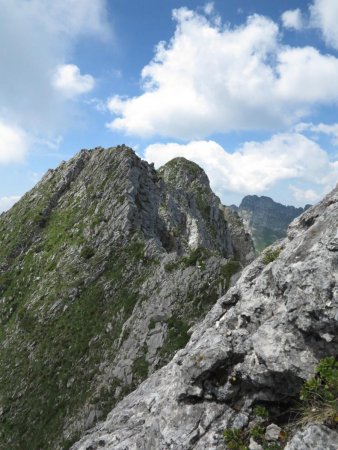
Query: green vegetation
{"points": [[319, 395], [152, 324], [87, 252], [272, 254], [261, 411], [177, 336], [140, 367], [319, 404], [57, 355], [227, 271], [239, 439], [235, 439], [196, 257]]}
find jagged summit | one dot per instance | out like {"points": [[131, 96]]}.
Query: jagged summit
{"points": [[104, 268], [265, 219], [183, 173], [249, 357]]}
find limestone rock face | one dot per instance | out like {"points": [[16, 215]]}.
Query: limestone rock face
{"points": [[255, 347], [266, 219], [104, 267], [314, 437]]}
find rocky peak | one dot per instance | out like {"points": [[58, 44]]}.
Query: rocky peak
{"points": [[184, 174], [265, 219], [105, 266]]}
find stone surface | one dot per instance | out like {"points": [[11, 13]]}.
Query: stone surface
{"points": [[314, 437], [256, 346], [104, 267], [272, 432]]}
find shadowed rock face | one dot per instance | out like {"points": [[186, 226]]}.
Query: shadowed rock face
{"points": [[267, 220], [104, 267], [256, 346]]}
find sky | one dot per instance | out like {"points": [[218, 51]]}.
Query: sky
{"points": [[248, 89]]}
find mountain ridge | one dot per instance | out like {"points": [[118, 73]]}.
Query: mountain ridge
{"points": [[104, 267], [266, 220]]}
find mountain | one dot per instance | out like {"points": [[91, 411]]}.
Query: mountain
{"points": [[266, 219], [104, 268], [239, 377]]}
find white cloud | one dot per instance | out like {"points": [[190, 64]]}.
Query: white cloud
{"points": [[69, 81], [293, 19], [8, 202], [321, 128], [256, 166], [324, 15], [39, 35], [305, 195], [210, 78], [209, 8], [13, 144]]}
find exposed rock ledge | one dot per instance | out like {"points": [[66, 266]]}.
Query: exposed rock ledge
{"points": [[256, 346]]}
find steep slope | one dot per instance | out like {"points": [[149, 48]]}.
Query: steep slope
{"points": [[254, 349], [266, 219], [104, 267]]}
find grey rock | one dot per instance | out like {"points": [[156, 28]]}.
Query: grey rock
{"points": [[259, 347], [314, 437], [254, 446], [272, 432]]}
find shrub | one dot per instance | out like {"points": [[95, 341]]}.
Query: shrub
{"points": [[319, 394], [271, 255], [87, 252], [235, 439]]}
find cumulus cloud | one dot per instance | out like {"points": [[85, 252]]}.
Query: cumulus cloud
{"points": [[40, 35], [13, 144], [324, 15], [304, 195], [321, 128], [256, 166], [69, 81], [293, 19], [8, 202], [213, 78]]}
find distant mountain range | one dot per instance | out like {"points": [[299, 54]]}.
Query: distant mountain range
{"points": [[265, 219]]}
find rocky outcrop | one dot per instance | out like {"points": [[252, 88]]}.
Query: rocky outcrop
{"points": [[266, 220], [104, 267], [255, 348]]}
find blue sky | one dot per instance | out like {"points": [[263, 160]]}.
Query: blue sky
{"points": [[248, 89]]}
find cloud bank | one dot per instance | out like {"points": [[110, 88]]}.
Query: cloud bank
{"points": [[212, 78], [14, 144], [257, 166], [324, 15]]}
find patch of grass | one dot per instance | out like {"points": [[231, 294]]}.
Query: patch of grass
{"points": [[261, 411], [319, 395], [87, 252], [170, 267], [195, 257], [271, 255], [177, 336], [228, 270], [235, 439], [140, 368], [152, 324]]}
